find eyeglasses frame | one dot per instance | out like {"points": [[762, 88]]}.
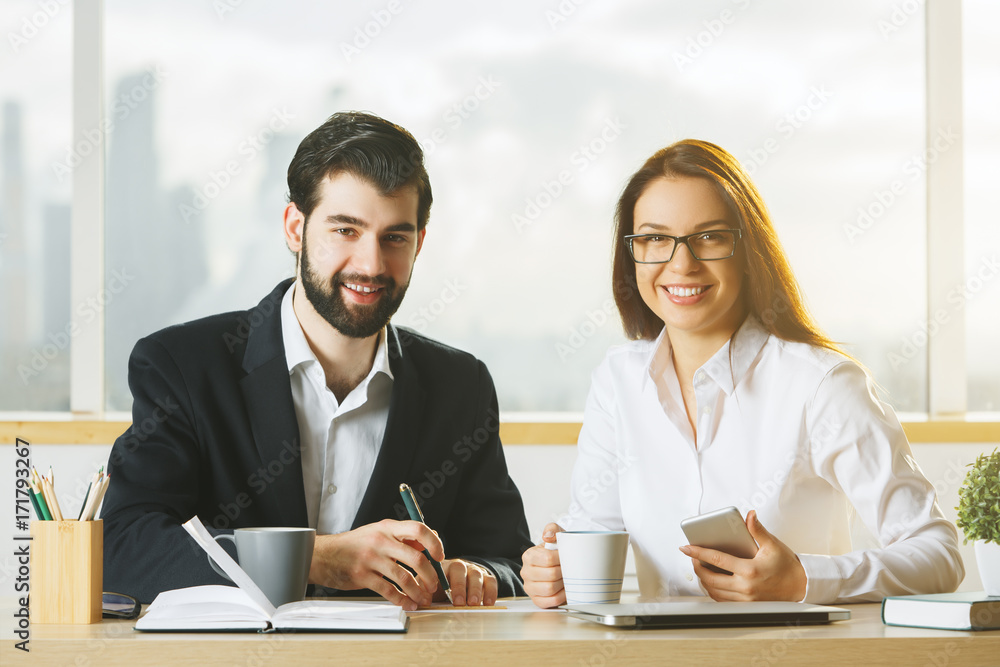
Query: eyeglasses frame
{"points": [[678, 240]]}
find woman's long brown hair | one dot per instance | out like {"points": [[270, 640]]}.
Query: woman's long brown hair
{"points": [[770, 290]]}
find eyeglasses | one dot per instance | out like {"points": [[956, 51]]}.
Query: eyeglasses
{"points": [[118, 605], [705, 246]]}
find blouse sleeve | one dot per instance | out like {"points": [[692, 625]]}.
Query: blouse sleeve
{"points": [[858, 446], [594, 501]]}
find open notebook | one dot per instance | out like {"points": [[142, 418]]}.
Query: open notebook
{"points": [[229, 609], [246, 608]]}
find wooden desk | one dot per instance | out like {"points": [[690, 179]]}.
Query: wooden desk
{"points": [[487, 638]]}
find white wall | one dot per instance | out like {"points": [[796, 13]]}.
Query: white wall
{"points": [[542, 473]]}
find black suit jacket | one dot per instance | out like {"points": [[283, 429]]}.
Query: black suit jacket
{"points": [[214, 433]]}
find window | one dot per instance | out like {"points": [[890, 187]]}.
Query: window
{"points": [[980, 293], [35, 182], [532, 116]]}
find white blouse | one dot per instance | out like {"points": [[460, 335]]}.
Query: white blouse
{"points": [[791, 430]]}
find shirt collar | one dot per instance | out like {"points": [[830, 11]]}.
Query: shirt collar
{"points": [[659, 359], [298, 352], [727, 370], [732, 362], [381, 363]]}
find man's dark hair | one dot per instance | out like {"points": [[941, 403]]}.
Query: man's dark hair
{"points": [[365, 146]]}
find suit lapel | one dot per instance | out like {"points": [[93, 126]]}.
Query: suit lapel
{"points": [[267, 394], [401, 436]]}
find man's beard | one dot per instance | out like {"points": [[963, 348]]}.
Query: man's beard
{"points": [[357, 320]]}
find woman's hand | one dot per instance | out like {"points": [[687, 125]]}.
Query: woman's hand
{"points": [[541, 572], [775, 573]]}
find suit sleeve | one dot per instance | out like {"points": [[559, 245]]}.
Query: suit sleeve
{"points": [[156, 470], [488, 525]]}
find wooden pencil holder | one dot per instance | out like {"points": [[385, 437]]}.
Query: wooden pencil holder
{"points": [[67, 571]]}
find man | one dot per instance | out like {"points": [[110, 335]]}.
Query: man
{"points": [[311, 409]]}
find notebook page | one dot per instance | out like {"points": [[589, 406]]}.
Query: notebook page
{"points": [[197, 530]]}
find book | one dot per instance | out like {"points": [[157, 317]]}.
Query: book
{"points": [[229, 609], [943, 611], [245, 607]]}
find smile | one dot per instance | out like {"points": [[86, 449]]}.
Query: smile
{"points": [[677, 290], [361, 289]]}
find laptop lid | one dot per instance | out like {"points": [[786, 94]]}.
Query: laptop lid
{"points": [[707, 614]]}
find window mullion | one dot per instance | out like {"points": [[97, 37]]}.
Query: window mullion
{"points": [[946, 383], [87, 234]]}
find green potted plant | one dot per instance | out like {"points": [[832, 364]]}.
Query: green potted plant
{"points": [[979, 517]]}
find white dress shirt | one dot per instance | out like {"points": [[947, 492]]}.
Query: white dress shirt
{"points": [[789, 429], [340, 441]]}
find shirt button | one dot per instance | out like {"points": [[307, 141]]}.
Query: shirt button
{"points": [[332, 489], [706, 410], [689, 577], [701, 377]]}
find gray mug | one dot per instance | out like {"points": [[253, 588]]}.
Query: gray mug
{"points": [[277, 559]]}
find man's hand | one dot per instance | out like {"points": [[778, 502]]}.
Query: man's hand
{"points": [[775, 573], [360, 558], [542, 573], [471, 583]]}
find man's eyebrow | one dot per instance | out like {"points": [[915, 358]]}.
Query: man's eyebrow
{"points": [[343, 219], [402, 227]]}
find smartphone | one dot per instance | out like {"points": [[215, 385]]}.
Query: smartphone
{"points": [[722, 530]]}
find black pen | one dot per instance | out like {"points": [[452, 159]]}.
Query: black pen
{"points": [[413, 509]]}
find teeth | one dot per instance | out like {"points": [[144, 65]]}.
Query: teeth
{"points": [[685, 291], [361, 288]]}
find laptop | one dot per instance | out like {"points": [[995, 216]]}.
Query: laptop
{"points": [[706, 614]]}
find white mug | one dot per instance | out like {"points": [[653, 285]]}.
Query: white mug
{"points": [[593, 565]]}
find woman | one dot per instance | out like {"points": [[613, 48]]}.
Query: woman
{"points": [[729, 394]]}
